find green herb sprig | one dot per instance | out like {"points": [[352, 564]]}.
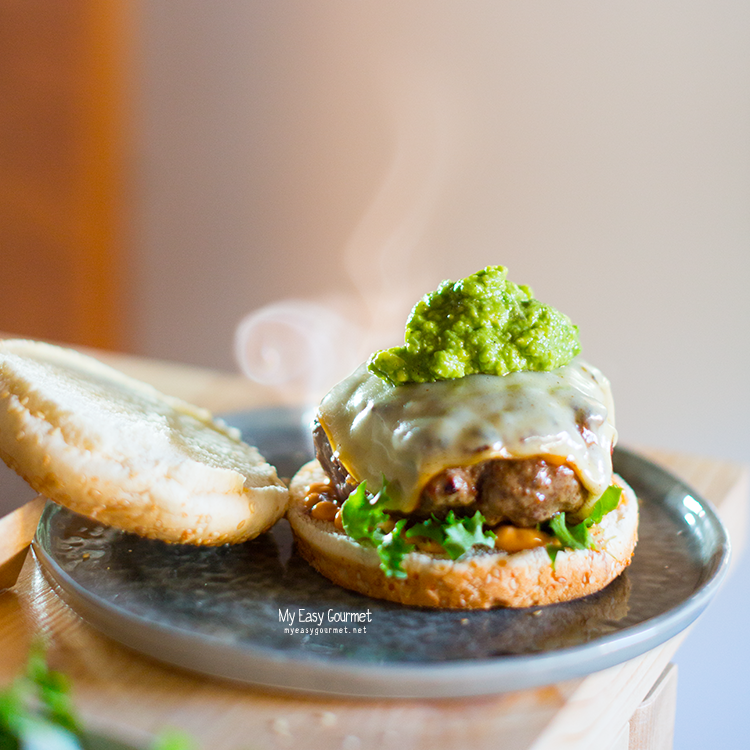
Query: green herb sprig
{"points": [[37, 713], [37, 708]]}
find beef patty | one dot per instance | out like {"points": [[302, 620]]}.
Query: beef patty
{"points": [[524, 491]]}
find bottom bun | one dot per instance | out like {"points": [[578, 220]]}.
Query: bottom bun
{"points": [[479, 580]]}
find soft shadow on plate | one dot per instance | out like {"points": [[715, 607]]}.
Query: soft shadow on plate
{"points": [[227, 611]]}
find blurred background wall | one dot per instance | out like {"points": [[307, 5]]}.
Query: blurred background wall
{"points": [[167, 168], [599, 150]]}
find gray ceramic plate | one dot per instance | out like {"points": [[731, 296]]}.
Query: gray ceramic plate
{"points": [[226, 611]]}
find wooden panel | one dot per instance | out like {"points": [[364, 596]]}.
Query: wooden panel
{"points": [[63, 136], [652, 725], [16, 532]]}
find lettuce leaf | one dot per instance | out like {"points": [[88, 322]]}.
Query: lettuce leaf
{"points": [[392, 550], [365, 520], [609, 500], [456, 535], [363, 515], [552, 550], [430, 529], [572, 537], [577, 536]]}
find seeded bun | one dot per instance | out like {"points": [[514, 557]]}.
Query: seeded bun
{"points": [[116, 450], [481, 580]]}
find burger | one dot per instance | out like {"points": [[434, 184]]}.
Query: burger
{"points": [[471, 467]]}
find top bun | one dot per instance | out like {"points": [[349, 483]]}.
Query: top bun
{"points": [[117, 450]]}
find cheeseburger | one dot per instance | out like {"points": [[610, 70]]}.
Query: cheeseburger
{"points": [[470, 468]]}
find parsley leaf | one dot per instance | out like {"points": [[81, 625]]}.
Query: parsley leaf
{"points": [[53, 690], [173, 739], [37, 711]]}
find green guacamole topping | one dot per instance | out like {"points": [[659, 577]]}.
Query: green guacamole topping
{"points": [[481, 324]]}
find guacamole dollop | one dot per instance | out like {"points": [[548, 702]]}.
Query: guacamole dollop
{"points": [[481, 324]]}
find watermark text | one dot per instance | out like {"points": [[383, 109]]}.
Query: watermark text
{"points": [[313, 622]]}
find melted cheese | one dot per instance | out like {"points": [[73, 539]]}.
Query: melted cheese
{"points": [[410, 433]]}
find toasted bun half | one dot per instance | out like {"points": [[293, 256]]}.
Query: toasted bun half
{"points": [[115, 449], [482, 580]]}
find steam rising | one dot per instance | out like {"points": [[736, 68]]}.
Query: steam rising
{"points": [[382, 256], [303, 347], [300, 347]]}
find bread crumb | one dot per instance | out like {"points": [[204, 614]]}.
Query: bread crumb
{"points": [[328, 719]]}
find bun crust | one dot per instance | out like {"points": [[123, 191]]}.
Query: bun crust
{"points": [[482, 580], [115, 449]]}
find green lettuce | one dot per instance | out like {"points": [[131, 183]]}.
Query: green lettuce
{"points": [[456, 535], [578, 536], [392, 550], [363, 515], [609, 500], [366, 521]]}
